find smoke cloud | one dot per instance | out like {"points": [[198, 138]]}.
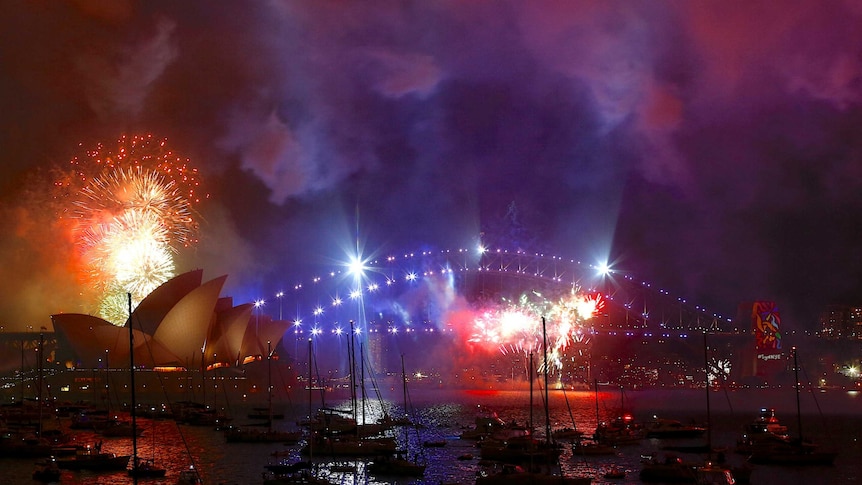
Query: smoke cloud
{"points": [[710, 147]]}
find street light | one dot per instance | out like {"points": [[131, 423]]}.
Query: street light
{"points": [[257, 305], [279, 295]]}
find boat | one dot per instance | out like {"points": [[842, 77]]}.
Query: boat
{"points": [[672, 468], [567, 434], [301, 473], [715, 472], [23, 433], [792, 452], [549, 470], [348, 446], [94, 459], [493, 427], [146, 468], [764, 430], [47, 470], [670, 428], [589, 447], [332, 421], [396, 465], [520, 450], [523, 448], [621, 431]]}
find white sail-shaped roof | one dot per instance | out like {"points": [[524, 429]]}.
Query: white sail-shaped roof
{"points": [[172, 326], [150, 313], [184, 329]]}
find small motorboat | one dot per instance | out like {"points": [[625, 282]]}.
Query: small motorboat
{"points": [[146, 469]]}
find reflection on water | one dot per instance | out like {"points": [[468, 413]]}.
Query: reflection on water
{"points": [[445, 414]]}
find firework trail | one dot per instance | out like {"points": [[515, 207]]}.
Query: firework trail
{"points": [[131, 211]]}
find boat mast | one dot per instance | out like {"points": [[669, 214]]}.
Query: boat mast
{"points": [[708, 413], [310, 406], [269, 379], [404, 387], [531, 392], [545, 352], [132, 381], [351, 354], [41, 360], [362, 379], [796, 380], [22, 374], [596, 387]]}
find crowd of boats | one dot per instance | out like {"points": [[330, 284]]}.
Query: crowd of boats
{"points": [[513, 453], [506, 452], [49, 433]]}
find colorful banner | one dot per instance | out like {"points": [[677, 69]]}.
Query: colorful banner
{"points": [[767, 330]]}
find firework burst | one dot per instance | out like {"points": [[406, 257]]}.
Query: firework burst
{"points": [[517, 327], [131, 211], [142, 191]]}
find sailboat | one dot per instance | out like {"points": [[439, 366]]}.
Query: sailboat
{"points": [[622, 430], [596, 446], [708, 472], [398, 464], [355, 442], [146, 467], [568, 433], [674, 469], [712, 473], [796, 452], [513, 474], [300, 473]]}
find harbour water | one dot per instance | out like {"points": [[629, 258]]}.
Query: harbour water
{"points": [[832, 418]]}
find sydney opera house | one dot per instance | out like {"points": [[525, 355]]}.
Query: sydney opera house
{"points": [[185, 323]]}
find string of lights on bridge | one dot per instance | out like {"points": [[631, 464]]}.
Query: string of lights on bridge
{"points": [[361, 278]]}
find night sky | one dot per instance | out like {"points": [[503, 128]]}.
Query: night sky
{"points": [[712, 148]]}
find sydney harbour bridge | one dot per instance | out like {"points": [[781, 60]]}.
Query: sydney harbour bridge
{"points": [[324, 302], [424, 305], [412, 303]]}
